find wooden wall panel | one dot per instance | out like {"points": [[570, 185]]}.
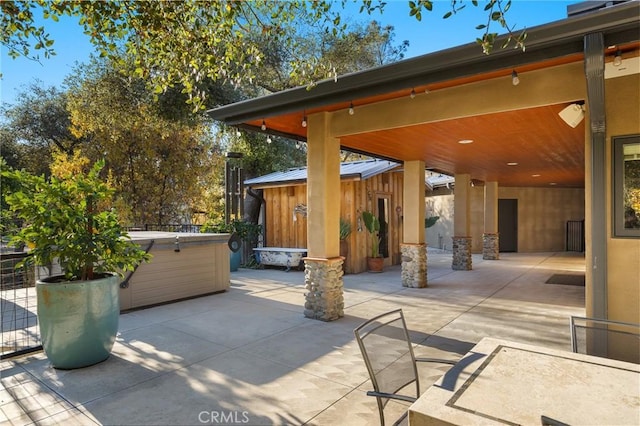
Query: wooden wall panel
{"points": [[356, 196]]}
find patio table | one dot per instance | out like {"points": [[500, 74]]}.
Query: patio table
{"points": [[503, 382]]}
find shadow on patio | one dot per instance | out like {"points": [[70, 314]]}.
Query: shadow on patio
{"points": [[249, 356]]}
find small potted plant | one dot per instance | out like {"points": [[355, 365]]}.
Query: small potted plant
{"points": [[375, 262], [67, 220]]}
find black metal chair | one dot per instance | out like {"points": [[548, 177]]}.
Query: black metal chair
{"points": [[606, 338], [388, 354]]}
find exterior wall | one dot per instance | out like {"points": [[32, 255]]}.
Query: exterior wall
{"points": [[542, 217], [355, 197], [440, 235], [281, 230], [623, 254], [543, 214]]}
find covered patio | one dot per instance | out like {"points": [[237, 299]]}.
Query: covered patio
{"points": [[249, 355]]}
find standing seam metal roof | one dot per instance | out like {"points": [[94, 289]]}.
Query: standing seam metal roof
{"points": [[362, 169]]}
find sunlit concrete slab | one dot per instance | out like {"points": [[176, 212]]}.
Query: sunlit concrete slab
{"points": [[250, 352]]}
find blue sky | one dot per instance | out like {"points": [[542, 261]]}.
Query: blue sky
{"points": [[431, 34]]}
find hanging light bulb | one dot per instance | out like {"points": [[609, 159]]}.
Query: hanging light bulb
{"points": [[238, 134], [617, 60], [304, 121], [351, 110], [298, 144], [264, 126], [515, 80], [268, 139], [413, 93], [427, 91]]}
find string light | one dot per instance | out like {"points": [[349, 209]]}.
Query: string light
{"points": [[617, 60], [515, 80]]}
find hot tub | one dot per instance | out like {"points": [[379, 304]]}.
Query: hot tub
{"points": [[280, 256], [183, 265]]}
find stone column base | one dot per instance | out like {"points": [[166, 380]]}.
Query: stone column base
{"points": [[414, 265], [490, 246], [461, 254], [323, 280]]}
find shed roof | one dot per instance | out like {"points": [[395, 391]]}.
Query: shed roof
{"points": [[355, 170]]}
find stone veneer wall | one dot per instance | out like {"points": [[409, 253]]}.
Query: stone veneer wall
{"points": [[490, 246], [461, 254], [414, 265], [325, 296]]}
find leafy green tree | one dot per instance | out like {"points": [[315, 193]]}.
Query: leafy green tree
{"points": [[156, 152], [184, 43], [38, 125]]}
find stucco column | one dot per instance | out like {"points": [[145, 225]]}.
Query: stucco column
{"points": [[323, 266], [413, 247], [490, 237], [462, 223]]}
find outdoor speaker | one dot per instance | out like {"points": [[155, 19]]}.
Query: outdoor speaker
{"points": [[572, 115]]}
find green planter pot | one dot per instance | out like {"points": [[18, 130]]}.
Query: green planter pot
{"points": [[78, 320]]}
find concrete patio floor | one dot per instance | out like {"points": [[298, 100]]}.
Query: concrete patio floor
{"points": [[249, 356]]}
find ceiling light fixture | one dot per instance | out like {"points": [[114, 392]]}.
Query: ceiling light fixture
{"points": [[515, 80], [465, 141], [617, 60], [536, 175], [413, 93], [572, 114], [513, 163], [264, 126], [351, 110]]}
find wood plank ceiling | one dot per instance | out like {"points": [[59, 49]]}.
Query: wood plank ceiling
{"points": [[530, 147], [547, 151]]}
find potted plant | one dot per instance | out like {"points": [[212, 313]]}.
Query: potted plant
{"points": [[345, 231], [68, 221], [375, 262]]}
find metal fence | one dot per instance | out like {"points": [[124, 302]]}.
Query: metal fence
{"points": [[19, 331], [575, 235]]}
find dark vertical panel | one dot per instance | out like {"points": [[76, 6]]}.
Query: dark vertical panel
{"points": [[508, 225]]}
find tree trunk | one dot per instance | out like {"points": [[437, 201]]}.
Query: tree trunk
{"points": [[252, 203]]}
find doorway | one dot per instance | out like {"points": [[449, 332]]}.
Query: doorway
{"points": [[383, 203], [508, 225]]}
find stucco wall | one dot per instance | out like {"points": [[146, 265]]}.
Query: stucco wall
{"points": [[542, 217], [623, 254], [543, 214]]}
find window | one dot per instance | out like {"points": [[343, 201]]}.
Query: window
{"points": [[626, 186]]}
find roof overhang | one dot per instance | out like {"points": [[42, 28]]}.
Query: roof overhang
{"points": [[559, 39], [511, 125]]}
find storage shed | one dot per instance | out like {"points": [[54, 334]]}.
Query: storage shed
{"points": [[374, 185]]}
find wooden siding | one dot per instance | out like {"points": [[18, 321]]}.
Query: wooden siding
{"points": [[356, 196]]}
